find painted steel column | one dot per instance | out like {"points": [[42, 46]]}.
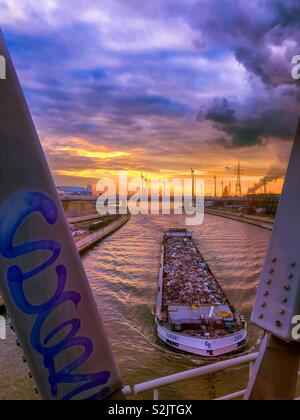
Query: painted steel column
{"points": [[278, 298], [42, 280]]}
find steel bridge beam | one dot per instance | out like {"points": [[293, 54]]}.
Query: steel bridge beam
{"points": [[42, 279], [278, 297]]}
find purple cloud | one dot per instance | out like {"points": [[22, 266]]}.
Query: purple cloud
{"points": [[133, 75]]}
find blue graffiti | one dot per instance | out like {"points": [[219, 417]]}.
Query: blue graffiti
{"points": [[12, 216]]}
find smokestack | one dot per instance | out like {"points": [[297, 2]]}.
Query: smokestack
{"points": [[215, 179], [42, 279], [193, 186], [263, 184]]}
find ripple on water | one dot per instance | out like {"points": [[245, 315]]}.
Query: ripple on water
{"points": [[123, 273]]}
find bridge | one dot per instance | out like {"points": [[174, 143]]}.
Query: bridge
{"points": [[77, 206], [36, 242]]}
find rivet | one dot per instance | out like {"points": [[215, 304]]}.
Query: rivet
{"points": [[36, 390], [286, 287], [278, 324], [261, 316], [30, 375], [18, 344], [266, 293], [271, 271], [263, 305], [284, 300], [269, 282], [291, 275], [293, 264], [282, 312], [24, 360], [274, 259]]}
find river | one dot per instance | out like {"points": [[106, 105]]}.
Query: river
{"points": [[123, 272]]}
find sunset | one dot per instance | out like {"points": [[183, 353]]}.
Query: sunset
{"points": [[158, 88], [149, 203]]}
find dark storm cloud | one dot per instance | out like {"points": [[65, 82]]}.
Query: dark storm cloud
{"points": [[263, 35], [257, 121], [220, 111], [134, 74]]}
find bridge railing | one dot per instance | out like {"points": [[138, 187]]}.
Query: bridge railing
{"points": [[158, 383]]}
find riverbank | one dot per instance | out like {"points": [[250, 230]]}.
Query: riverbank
{"points": [[263, 222], [84, 244], [91, 240], [80, 219]]}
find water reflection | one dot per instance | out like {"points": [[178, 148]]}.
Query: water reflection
{"points": [[123, 272]]}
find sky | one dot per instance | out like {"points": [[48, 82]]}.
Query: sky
{"points": [[159, 86]]}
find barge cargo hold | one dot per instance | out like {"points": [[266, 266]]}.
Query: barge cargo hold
{"points": [[193, 313]]}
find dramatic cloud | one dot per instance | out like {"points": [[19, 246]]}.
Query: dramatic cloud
{"points": [[260, 119], [221, 112], [171, 83]]}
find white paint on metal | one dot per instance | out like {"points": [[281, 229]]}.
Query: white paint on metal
{"points": [[156, 395], [126, 390], [42, 279], [194, 373], [2, 67], [2, 328], [202, 346], [255, 368], [233, 396]]}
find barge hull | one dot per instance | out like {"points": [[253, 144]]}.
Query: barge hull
{"points": [[207, 326], [202, 347]]}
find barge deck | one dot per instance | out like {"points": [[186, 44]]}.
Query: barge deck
{"points": [[193, 313]]}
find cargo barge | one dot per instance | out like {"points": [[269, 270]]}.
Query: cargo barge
{"points": [[193, 314]]}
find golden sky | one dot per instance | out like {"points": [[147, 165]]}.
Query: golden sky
{"points": [[159, 87]]}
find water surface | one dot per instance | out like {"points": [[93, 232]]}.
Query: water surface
{"points": [[123, 272]]}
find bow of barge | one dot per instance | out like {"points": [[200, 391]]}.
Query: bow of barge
{"points": [[193, 313]]}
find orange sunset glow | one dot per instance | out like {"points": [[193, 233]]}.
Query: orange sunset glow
{"points": [[157, 95], [104, 162]]}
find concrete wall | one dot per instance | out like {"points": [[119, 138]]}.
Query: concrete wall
{"points": [[76, 208]]}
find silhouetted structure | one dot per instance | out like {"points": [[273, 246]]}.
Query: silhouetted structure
{"points": [[238, 187]]}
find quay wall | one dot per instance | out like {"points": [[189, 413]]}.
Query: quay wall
{"points": [[262, 222]]}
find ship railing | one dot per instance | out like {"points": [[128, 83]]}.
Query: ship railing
{"points": [[156, 384]]}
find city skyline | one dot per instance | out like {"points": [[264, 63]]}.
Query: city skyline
{"points": [[159, 88]]}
